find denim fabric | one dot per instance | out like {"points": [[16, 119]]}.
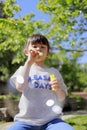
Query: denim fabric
{"points": [[56, 124]]}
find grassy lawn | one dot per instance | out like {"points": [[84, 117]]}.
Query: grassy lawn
{"points": [[78, 122], [2, 122]]}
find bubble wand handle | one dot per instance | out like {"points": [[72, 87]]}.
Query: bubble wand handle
{"points": [[52, 77]]}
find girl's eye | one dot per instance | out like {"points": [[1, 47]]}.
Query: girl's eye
{"points": [[43, 47], [34, 46]]}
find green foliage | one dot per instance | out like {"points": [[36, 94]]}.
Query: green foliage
{"points": [[64, 21], [13, 97], [74, 76], [10, 7], [80, 102], [13, 35], [73, 73], [10, 97], [2, 13], [2, 97], [65, 29], [85, 89]]}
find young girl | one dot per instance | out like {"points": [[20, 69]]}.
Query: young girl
{"points": [[43, 90]]}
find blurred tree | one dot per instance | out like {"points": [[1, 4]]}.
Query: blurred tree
{"points": [[2, 13], [74, 77], [13, 35], [74, 74], [68, 21], [67, 31], [67, 26]]}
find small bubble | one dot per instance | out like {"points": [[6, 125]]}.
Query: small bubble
{"points": [[40, 54], [57, 109], [20, 79], [50, 102]]}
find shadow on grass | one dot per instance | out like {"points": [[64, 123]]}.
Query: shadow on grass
{"points": [[72, 123], [85, 124]]}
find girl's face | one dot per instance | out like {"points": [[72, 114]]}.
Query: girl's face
{"points": [[39, 48]]}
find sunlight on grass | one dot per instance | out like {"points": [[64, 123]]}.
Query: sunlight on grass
{"points": [[78, 122], [2, 122]]}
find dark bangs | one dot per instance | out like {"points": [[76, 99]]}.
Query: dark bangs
{"points": [[38, 38]]}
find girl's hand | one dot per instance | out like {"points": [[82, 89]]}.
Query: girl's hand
{"points": [[32, 55], [55, 84]]}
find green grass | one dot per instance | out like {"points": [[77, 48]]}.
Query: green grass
{"points": [[78, 122], [2, 122]]}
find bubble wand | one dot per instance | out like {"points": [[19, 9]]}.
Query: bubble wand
{"points": [[40, 54], [37, 52], [52, 77]]}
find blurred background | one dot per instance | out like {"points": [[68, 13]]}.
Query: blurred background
{"points": [[64, 23]]}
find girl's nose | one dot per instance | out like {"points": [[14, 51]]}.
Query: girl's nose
{"points": [[38, 48]]}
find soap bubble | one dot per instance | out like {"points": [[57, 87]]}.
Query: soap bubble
{"points": [[20, 79], [40, 54], [50, 102], [56, 109]]}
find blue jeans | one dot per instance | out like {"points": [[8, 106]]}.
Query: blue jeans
{"points": [[56, 124]]}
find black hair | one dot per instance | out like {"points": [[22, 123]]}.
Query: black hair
{"points": [[38, 38]]}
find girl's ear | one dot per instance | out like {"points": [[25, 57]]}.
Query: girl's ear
{"points": [[26, 52]]}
